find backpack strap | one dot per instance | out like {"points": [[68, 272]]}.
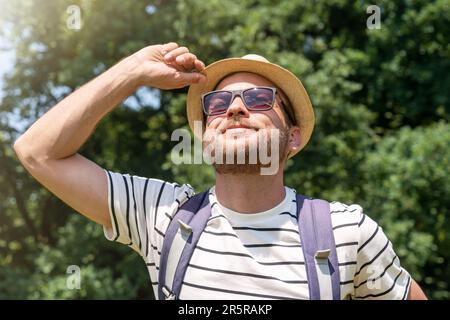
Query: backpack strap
{"points": [[179, 243], [319, 248], [316, 234]]}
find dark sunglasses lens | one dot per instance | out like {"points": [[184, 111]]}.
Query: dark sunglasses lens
{"points": [[217, 102], [259, 98]]}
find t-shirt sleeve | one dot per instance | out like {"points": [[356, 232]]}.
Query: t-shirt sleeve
{"points": [[379, 274], [138, 208]]}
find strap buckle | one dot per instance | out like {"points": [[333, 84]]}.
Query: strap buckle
{"points": [[322, 255], [168, 294], [185, 229]]}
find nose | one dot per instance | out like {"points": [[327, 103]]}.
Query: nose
{"points": [[237, 108]]}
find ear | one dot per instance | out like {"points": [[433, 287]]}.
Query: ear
{"points": [[294, 139]]}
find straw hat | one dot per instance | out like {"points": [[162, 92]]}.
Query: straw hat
{"points": [[282, 78]]}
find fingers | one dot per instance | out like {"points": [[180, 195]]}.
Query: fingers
{"points": [[171, 55], [187, 78], [182, 58], [189, 62], [168, 47], [199, 65], [189, 68], [186, 60]]}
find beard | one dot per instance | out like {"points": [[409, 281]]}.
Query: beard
{"points": [[246, 152]]}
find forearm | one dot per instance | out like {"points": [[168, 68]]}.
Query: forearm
{"points": [[61, 131]]}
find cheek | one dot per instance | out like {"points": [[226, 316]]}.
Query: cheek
{"points": [[214, 121], [278, 118], [270, 119]]}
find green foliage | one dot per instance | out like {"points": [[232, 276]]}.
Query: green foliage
{"points": [[381, 137], [408, 192]]}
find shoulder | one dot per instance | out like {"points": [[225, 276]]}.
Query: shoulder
{"points": [[339, 207], [145, 190], [346, 221], [343, 213]]}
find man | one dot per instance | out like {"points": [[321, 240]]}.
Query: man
{"points": [[249, 248]]}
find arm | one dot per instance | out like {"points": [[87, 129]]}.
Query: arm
{"points": [[415, 292], [48, 149]]}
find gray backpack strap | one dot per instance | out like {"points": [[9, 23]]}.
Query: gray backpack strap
{"points": [[319, 248], [179, 243]]}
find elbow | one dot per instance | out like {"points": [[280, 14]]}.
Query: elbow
{"points": [[19, 148], [25, 154]]}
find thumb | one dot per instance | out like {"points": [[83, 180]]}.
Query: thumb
{"points": [[190, 77]]}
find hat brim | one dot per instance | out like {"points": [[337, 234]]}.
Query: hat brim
{"points": [[282, 78]]}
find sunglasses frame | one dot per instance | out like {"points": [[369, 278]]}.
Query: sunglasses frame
{"points": [[238, 93]]}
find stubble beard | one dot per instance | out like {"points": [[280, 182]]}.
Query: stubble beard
{"points": [[247, 149]]}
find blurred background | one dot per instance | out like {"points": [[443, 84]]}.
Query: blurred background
{"points": [[380, 91]]}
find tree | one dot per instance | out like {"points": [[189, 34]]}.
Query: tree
{"points": [[365, 85], [408, 191]]}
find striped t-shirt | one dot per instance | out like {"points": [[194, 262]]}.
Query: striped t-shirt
{"points": [[252, 256]]}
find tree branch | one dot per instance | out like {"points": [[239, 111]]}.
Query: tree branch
{"points": [[20, 202]]}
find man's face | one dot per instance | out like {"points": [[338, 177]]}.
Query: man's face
{"points": [[242, 131]]}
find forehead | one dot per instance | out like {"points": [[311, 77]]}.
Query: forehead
{"points": [[241, 80]]}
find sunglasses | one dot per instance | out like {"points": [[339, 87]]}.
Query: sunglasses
{"points": [[255, 99]]}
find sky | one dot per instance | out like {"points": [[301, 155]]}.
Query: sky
{"points": [[6, 64]]}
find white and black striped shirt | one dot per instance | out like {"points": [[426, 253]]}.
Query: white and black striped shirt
{"points": [[252, 256]]}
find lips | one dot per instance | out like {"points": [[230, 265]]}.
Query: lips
{"points": [[238, 127]]}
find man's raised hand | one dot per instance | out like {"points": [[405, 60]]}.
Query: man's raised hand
{"points": [[167, 66]]}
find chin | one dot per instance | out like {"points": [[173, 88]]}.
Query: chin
{"points": [[243, 151]]}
